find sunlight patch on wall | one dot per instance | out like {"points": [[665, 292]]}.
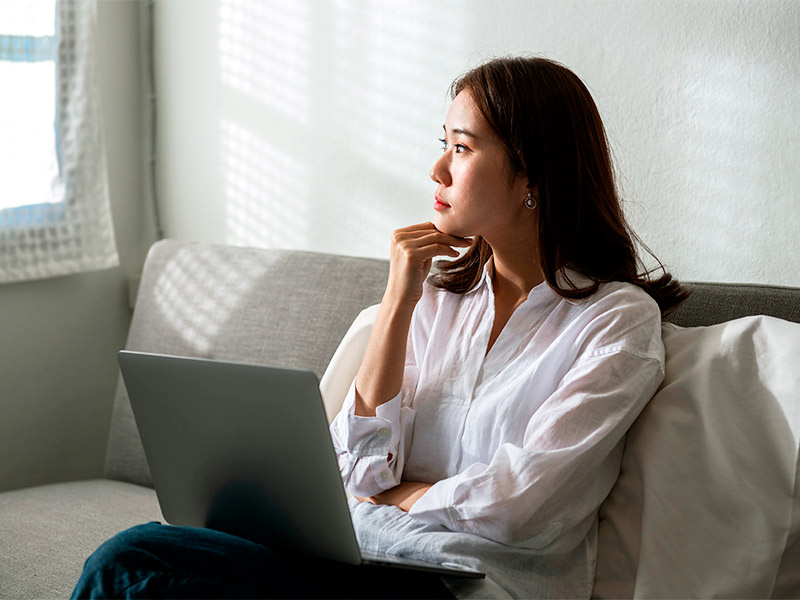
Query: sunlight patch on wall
{"points": [[265, 51], [392, 69], [266, 192]]}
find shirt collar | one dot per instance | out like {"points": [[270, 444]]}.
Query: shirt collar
{"points": [[486, 277], [568, 278], [564, 276]]}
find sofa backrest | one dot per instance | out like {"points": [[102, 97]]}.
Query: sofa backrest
{"points": [[712, 303], [292, 308], [276, 307]]}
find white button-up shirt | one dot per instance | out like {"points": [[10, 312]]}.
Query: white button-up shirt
{"points": [[521, 444]]}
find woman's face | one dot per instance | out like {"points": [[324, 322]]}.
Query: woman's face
{"points": [[476, 194]]}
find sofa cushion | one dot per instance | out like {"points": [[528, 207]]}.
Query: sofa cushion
{"points": [[275, 307], [707, 503], [47, 532]]}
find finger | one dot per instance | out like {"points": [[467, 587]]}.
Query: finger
{"points": [[456, 238], [422, 229], [427, 226], [420, 239], [413, 253]]}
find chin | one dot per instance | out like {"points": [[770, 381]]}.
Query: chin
{"points": [[450, 228]]}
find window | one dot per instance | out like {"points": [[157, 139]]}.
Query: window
{"points": [[28, 148], [55, 216]]}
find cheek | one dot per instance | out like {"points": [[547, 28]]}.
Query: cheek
{"points": [[475, 184], [483, 188]]}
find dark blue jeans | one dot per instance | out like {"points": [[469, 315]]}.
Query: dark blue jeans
{"points": [[163, 561]]}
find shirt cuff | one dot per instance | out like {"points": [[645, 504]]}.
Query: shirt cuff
{"points": [[368, 436], [436, 506]]}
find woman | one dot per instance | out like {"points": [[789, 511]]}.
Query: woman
{"points": [[485, 425]]}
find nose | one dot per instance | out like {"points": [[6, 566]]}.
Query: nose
{"points": [[440, 172]]}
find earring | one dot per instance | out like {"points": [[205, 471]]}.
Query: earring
{"points": [[530, 201]]}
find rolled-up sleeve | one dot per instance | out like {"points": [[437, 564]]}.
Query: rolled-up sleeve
{"points": [[545, 492], [371, 451]]}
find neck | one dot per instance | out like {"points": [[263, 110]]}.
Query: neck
{"points": [[511, 279], [514, 276], [516, 265]]}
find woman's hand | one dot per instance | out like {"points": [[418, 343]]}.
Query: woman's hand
{"points": [[403, 496], [380, 376], [412, 252]]}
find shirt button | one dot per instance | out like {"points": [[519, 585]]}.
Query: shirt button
{"points": [[383, 431], [384, 475]]}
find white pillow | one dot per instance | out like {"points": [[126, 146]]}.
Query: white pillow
{"points": [[346, 360], [707, 501]]}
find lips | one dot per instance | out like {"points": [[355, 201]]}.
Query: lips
{"points": [[440, 204]]}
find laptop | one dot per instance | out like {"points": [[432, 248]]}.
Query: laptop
{"points": [[246, 449]]}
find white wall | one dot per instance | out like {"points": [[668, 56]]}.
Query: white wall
{"points": [[313, 124], [60, 336]]}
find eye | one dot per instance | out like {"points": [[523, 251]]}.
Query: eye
{"points": [[459, 148]]}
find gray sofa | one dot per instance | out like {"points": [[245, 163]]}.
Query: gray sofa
{"points": [[288, 308]]}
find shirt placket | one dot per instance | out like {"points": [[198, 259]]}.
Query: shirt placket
{"points": [[474, 361]]}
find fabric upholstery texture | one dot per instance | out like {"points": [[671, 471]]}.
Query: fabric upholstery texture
{"points": [[275, 307], [712, 303], [47, 532]]}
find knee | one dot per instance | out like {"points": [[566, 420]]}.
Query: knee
{"points": [[122, 546], [107, 566]]}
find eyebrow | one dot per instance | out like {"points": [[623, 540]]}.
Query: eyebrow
{"points": [[461, 131]]}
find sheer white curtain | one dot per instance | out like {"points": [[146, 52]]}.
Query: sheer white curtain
{"points": [[65, 226]]}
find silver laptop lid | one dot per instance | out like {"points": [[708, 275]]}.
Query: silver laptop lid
{"points": [[262, 467]]}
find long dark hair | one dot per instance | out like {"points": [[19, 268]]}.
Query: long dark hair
{"points": [[552, 131]]}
